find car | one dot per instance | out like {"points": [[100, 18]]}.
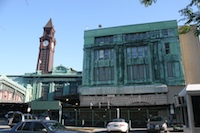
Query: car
{"points": [[156, 124], [14, 118], [119, 125], [10, 114], [178, 127], [38, 126], [17, 117]]}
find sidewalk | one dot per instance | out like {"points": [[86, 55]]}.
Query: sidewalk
{"points": [[87, 129], [98, 129]]}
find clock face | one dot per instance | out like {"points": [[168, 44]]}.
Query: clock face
{"points": [[45, 43]]}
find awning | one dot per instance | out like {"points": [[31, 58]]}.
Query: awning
{"points": [[45, 105]]}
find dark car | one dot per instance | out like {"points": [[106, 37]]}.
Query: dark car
{"points": [[14, 118], [38, 126], [156, 124], [17, 117]]}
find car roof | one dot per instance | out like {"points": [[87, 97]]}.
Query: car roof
{"points": [[18, 112]]}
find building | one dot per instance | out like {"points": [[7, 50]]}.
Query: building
{"points": [[47, 48], [132, 70], [48, 91], [190, 49], [187, 101]]}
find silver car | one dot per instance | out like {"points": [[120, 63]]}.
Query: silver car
{"points": [[38, 126], [156, 124]]}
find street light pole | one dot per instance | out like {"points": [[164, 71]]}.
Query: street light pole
{"points": [[117, 112]]}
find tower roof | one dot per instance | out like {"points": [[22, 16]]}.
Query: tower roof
{"points": [[49, 24]]}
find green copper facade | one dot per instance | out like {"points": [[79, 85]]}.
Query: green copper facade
{"points": [[60, 84], [133, 55]]}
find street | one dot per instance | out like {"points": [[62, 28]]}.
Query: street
{"points": [[138, 131], [98, 130]]}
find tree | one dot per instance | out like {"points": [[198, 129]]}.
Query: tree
{"points": [[147, 3], [190, 16]]}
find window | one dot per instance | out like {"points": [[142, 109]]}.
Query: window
{"points": [[58, 90], [145, 35], [95, 74], [147, 71], [106, 70], [48, 31], [112, 54], [103, 39], [140, 52], [129, 72], [111, 73], [96, 55], [129, 52], [134, 52], [38, 126], [169, 69], [141, 71], [103, 54], [106, 53], [153, 34], [136, 36], [137, 52], [165, 33], [145, 51], [139, 36], [167, 48], [101, 73], [73, 90], [25, 127], [136, 72], [133, 37], [104, 74], [45, 92]]}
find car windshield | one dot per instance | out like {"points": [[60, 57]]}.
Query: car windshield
{"points": [[55, 126]]}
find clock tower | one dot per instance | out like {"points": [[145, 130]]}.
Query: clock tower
{"points": [[46, 49]]}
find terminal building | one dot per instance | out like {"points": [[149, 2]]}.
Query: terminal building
{"points": [[48, 90], [131, 71]]}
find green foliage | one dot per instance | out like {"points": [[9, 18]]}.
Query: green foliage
{"points": [[189, 15], [184, 29], [147, 3]]}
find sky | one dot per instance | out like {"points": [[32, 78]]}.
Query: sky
{"points": [[22, 22]]}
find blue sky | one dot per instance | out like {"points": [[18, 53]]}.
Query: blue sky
{"points": [[22, 22]]}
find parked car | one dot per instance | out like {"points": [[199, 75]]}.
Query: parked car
{"points": [[10, 114], [178, 127], [17, 117], [14, 118], [38, 126], [156, 124], [118, 125]]}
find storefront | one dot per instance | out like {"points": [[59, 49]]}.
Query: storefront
{"points": [[41, 109]]}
